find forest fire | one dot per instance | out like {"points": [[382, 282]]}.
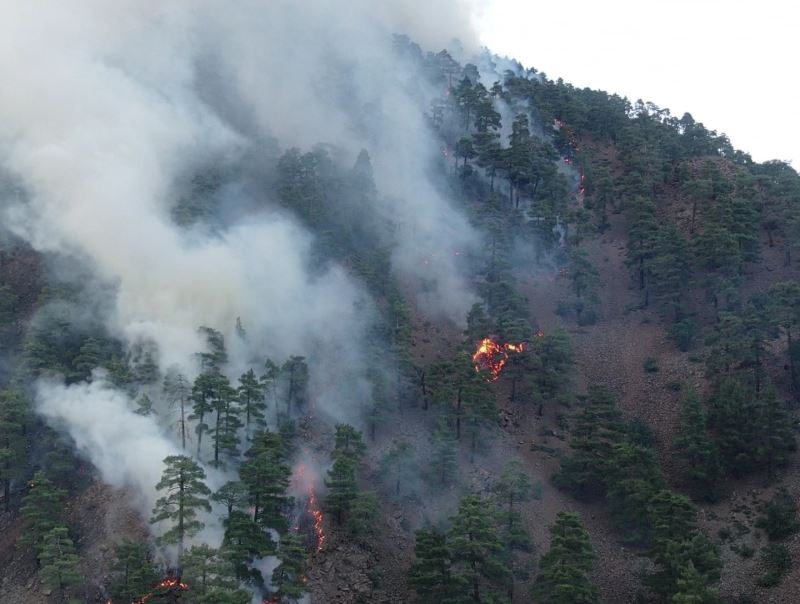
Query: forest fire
{"points": [[493, 356], [168, 588], [306, 483]]}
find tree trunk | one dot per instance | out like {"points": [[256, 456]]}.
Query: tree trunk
{"points": [[199, 434], [458, 416], [183, 425], [792, 369]]}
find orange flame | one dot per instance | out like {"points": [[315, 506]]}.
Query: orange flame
{"points": [[493, 356], [168, 583], [313, 509]]}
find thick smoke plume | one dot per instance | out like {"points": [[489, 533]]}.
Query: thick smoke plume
{"points": [[106, 104]]}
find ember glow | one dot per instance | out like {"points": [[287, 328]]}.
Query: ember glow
{"points": [[306, 483], [492, 356], [167, 585]]}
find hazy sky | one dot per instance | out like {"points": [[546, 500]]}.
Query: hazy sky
{"points": [[731, 64]]}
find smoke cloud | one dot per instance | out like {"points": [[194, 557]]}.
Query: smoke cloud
{"points": [[106, 105]]}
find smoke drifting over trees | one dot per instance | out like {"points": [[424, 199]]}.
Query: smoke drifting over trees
{"points": [[108, 107]]}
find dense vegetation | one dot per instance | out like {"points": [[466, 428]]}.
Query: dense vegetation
{"points": [[538, 185]]}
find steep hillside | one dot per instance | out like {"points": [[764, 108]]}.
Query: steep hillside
{"points": [[415, 325]]}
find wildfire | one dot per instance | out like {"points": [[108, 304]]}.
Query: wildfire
{"points": [[313, 508], [493, 356], [168, 584]]}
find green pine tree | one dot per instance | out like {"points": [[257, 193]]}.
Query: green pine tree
{"points": [[58, 561], [563, 576], [185, 494]]}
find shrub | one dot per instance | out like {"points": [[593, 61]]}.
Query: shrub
{"points": [[777, 563], [650, 365], [779, 516]]}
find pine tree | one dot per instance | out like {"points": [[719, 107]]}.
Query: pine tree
{"points": [[342, 487], [598, 427], [564, 568], [476, 550], [362, 521], [59, 562], [267, 476], [296, 371], [443, 467], [185, 494], [633, 479], [216, 357], [212, 577], [41, 509], [289, 577], [672, 558], [15, 417], [244, 541], [202, 393], [349, 443], [133, 572], [224, 433], [779, 516], [398, 466], [251, 398], [691, 588], [512, 489], [774, 425], [430, 574], [269, 381], [178, 392], [233, 495], [696, 449], [144, 405]]}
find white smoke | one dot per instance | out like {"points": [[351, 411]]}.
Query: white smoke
{"points": [[104, 104]]}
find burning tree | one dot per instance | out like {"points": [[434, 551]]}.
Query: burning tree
{"points": [[185, 494]]}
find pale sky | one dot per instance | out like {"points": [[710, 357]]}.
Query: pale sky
{"points": [[731, 64]]}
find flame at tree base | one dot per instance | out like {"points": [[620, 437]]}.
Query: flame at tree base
{"points": [[170, 584], [306, 483], [492, 356]]}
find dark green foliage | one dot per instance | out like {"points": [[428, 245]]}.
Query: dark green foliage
{"points": [[362, 521], [697, 451], [633, 478], [295, 371], [212, 577], [443, 467], [674, 557], [133, 572], [244, 541], [250, 396], [58, 560], [431, 575], [266, 475], [779, 516], [233, 495], [752, 428], [215, 358], [225, 431], [597, 428], [349, 443], [462, 393], [476, 550], [342, 487], [15, 420], [289, 577], [178, 392], [398, 466], [777, 561], [41, 510], [563, 576], [185, 494]]}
